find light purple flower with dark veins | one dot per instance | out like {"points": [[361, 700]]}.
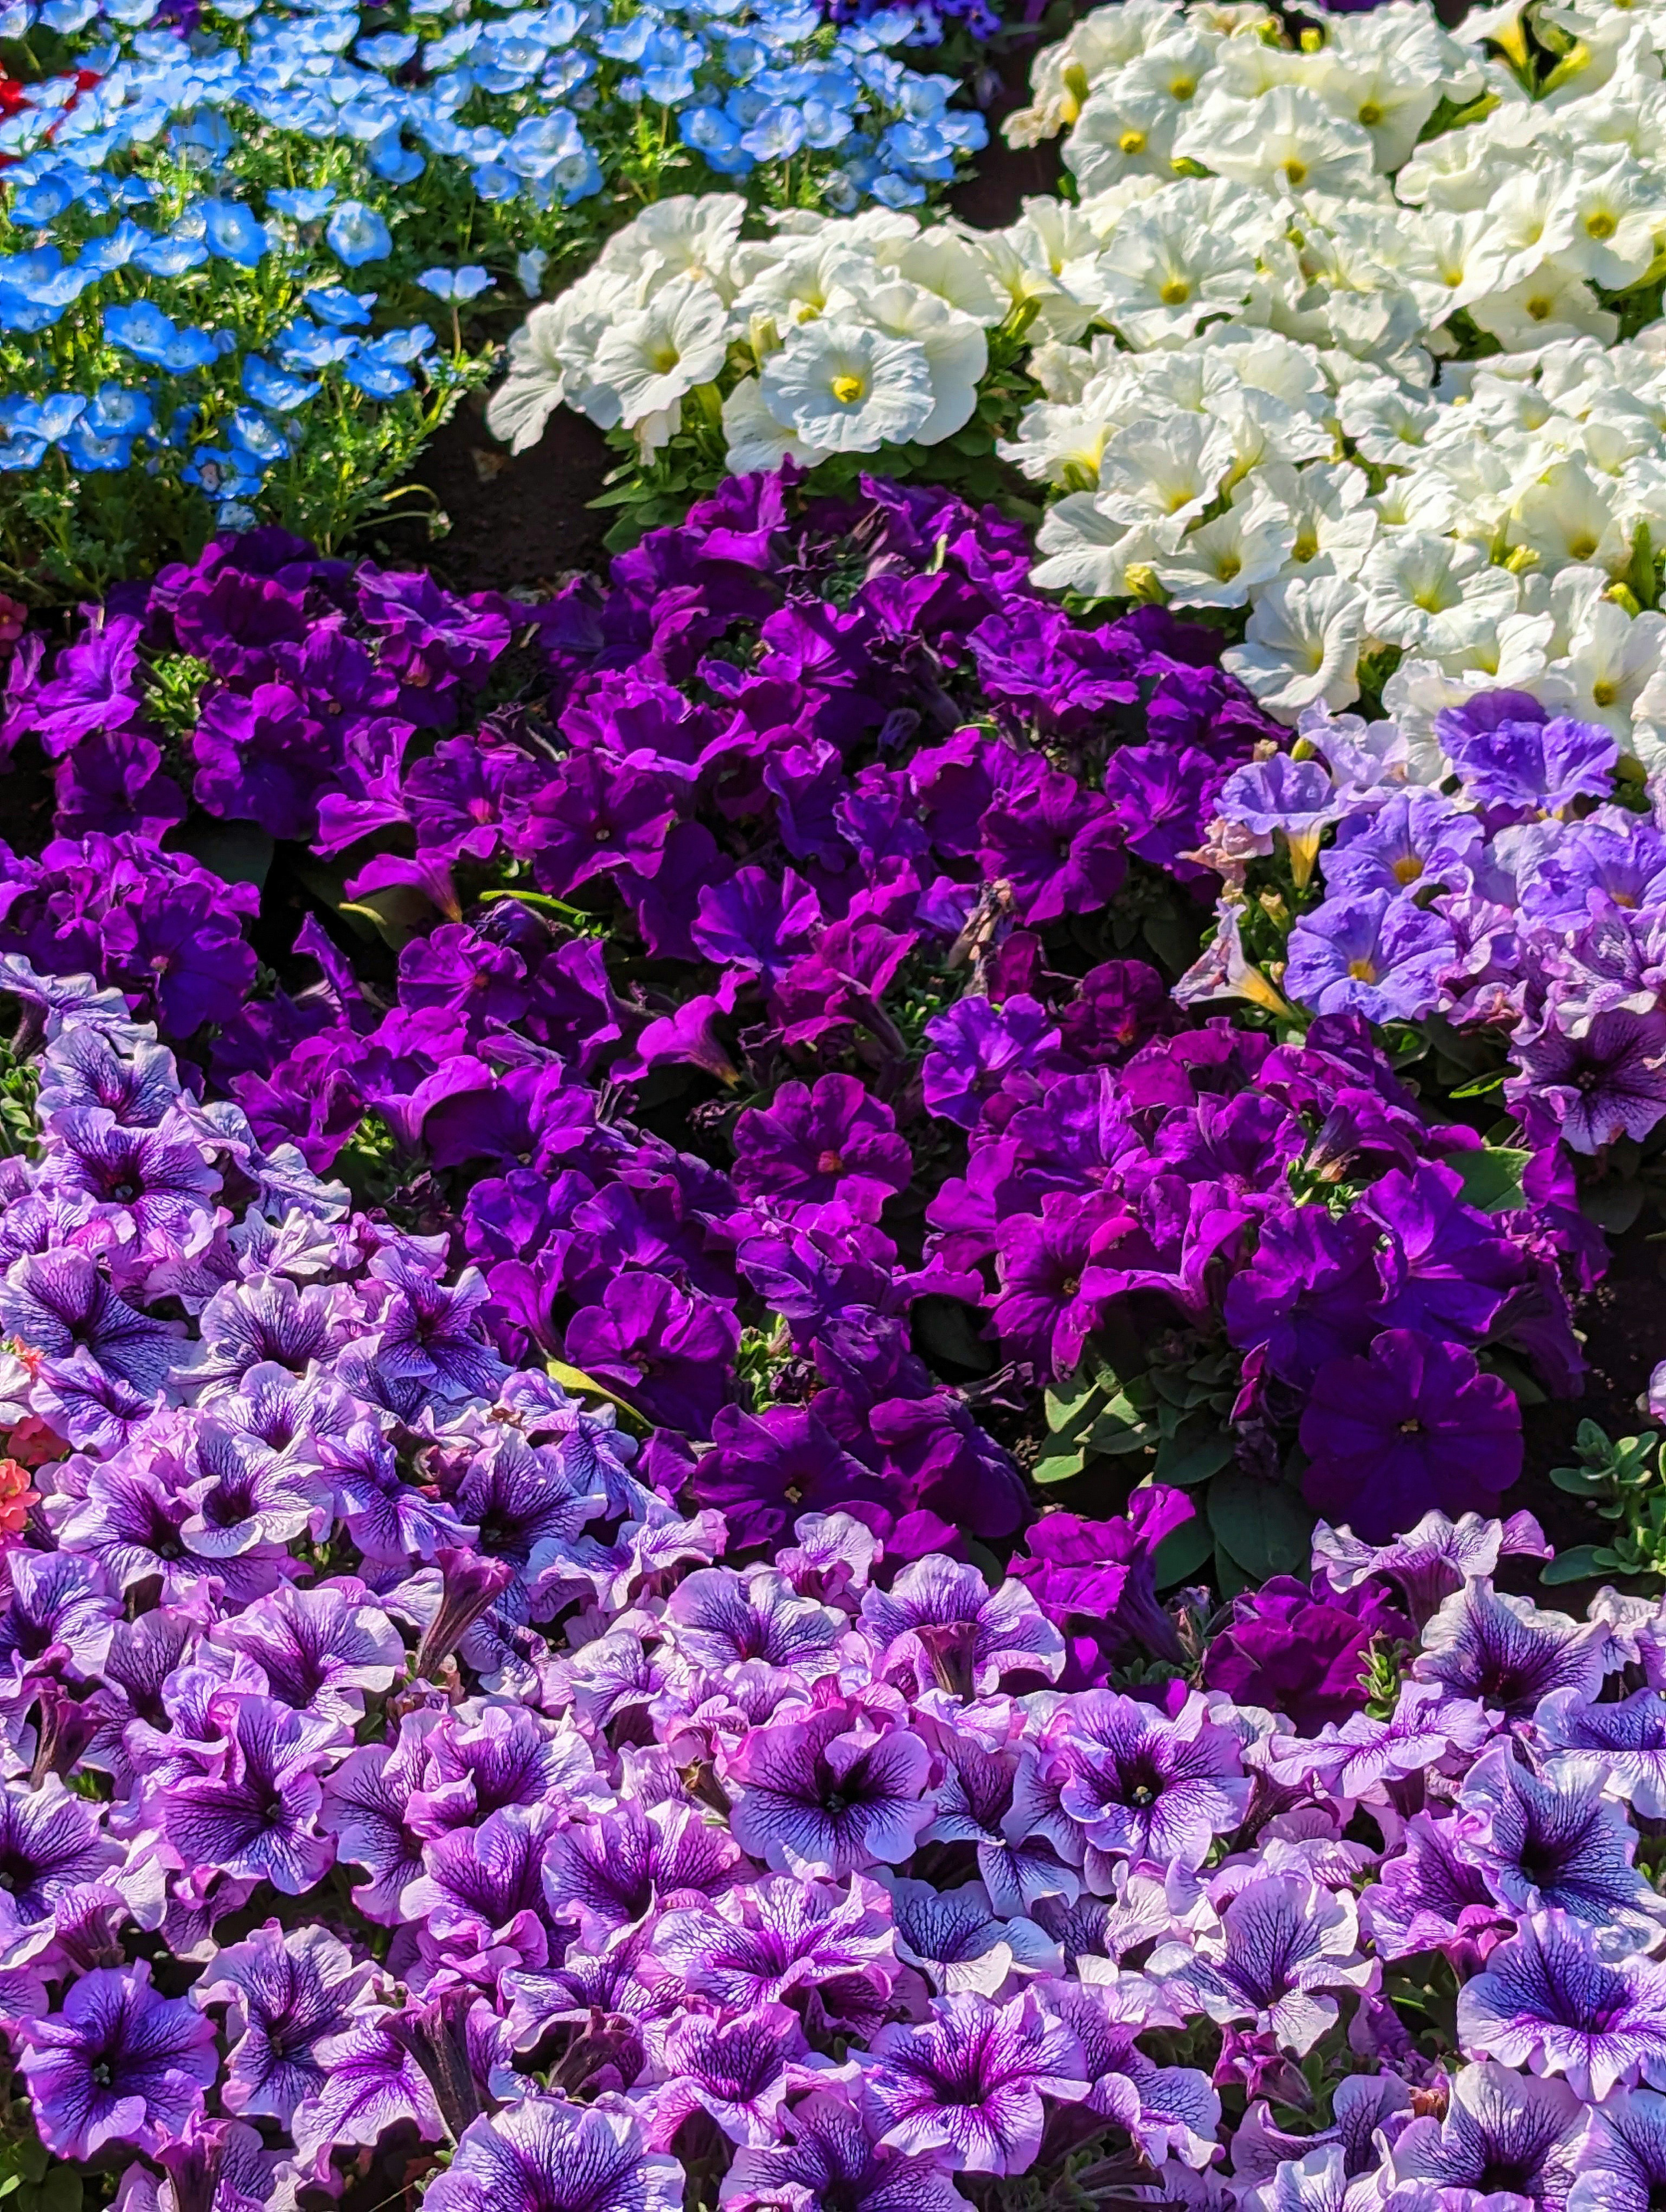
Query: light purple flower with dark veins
{"points": [[154, 1183], [975, 1804], [1317, 2181], [1621, 2157], [258, 1817], [1170, 2111], [1551, 1841], [139, 1085], [545, 2154], [524, 1500], [1362, 2105], [482, 1889], [1548, 2001], [56, 1301], [364, 1808], [608, 1872], [940, 1622], [1377, 953], [1506, 2142], [1428, 1898], [722, 1620], [320, 1649], [1623, 1746], [970, 2080], [826, 2160], [623, 1980], [96, 1411], [283, 1992], [59, 1601], [213, 2165], [1143, 1786], [392, 1521], [119, 2065], [504, 1756], [826, 1950], [244, 1496], [51, 1843], [1506, 1654], [1363, 1755], [372, 2080], [130, 1521], [429, 1332], [832, 1794], [956, 1941], [1607, 1082], [739, 2068], [1431, 1561], [267, 1318], [1281, 793], [1271, 1957]]}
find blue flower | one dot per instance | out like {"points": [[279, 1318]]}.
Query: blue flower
{"points": [[389, 50], [172, 256], [233, 235], [303, 206], [113, 250], [34, 205], [270, 388], [51, 418], [456, 284], [529, 270], [776, 136], [345, 309], [302, 347], [391, 159], [86, 450], [357, 235], [148, 334], [116, 412]]}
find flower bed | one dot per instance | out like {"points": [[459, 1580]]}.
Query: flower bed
{"points": [[792, 1342]]}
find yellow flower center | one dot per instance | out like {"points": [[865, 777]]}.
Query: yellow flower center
{"points": [[664, 359], [1370, 114], [1601, 225], [1581, 547], [1176, 292], [1407, 868], [1538, 311], [1132, 141], [846, 390], [1227, 567], [1605, 693], [1181, 88], [1295, 172], [1362, 970]]}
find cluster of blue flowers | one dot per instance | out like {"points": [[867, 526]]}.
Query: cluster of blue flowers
{"points": [[187, 200]]}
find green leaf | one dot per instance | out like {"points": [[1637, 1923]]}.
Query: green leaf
{"points": [[1577, 1565], [1183, 1552], [1058, 1464], [1492, 1177], [1070, 1418], [1613, 1206], [236, 852], [1264, 1526], [1119, 1428], [575, 1378], [1186, 1459]]}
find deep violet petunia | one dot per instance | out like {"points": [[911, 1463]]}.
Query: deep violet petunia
{"points": [[120, 2063], [545, 2154], [831, 1794], [284, 1992], [828, 2154]]}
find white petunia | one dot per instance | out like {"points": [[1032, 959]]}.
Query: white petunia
{"points": [[1171, 262], [649, 359], [1334, 529], [1302, 644], [1614, 657], [536, 384], [1385, 421], [1552, 303], [690, 235], [1084, 550], [1163, 469], [1218, 564], [845, 388], [1288, 141], [756, 439], [1605, 223], [1567, 518], [1427, 593], [956, 350]]}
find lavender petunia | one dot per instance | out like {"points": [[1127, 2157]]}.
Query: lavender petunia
{"points": [[1551, 1841], [1506, 1654], [1547, 2000], [284, 1993], [829, 1795], [1504, 2140], [258, 1815], [1273, 1958], [1622, 1745], [1132, 1782], [826, 2156], [940, 1621], [971, 2079], [545, 2154], [1621, 2157], [120, 2063]]}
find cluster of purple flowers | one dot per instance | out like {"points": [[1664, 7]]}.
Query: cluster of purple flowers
{"points": [[395, 1778], [1293, 1200], [1494, 867]]}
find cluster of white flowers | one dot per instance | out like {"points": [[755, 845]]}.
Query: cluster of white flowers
{"points": [[1329, 337]]}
